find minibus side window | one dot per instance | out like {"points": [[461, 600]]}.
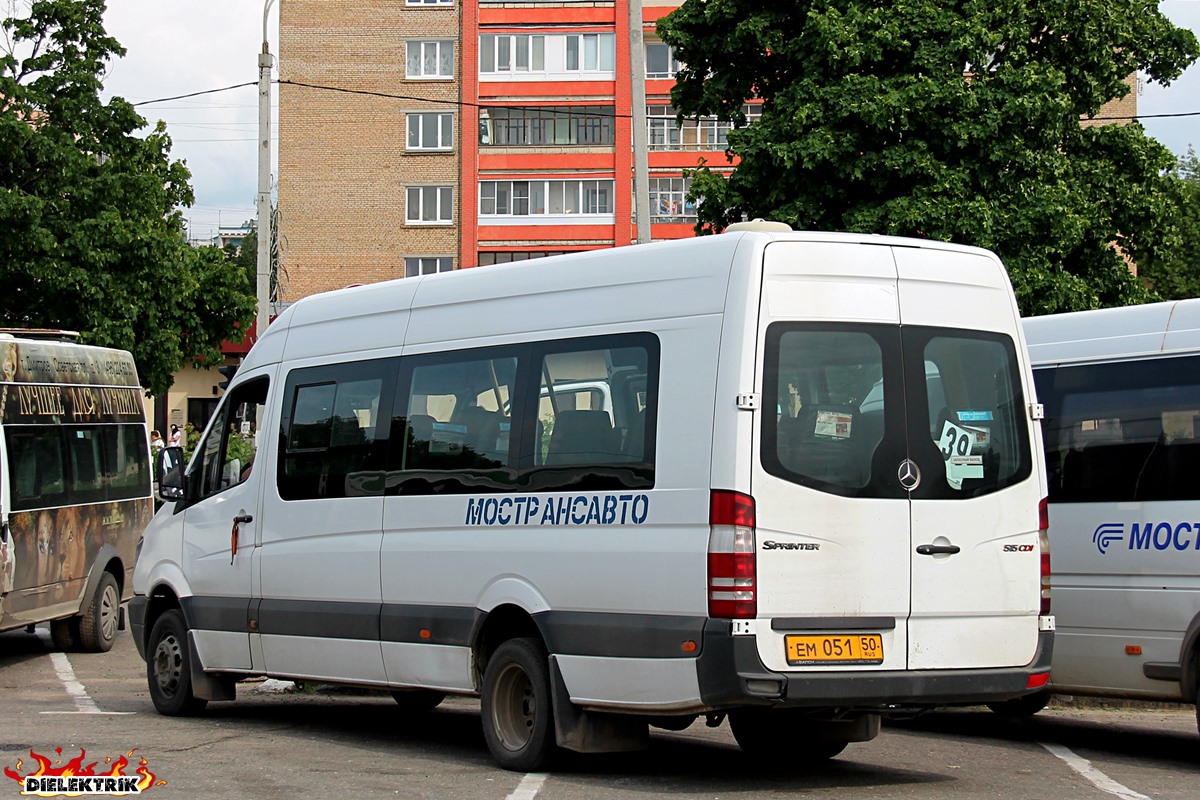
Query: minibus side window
{"points": [[596, 414], [457, 414], [35, 463], [334, 434], [227, 452], [1122, 431], [573, 415], [86, 467], [126, 461]]}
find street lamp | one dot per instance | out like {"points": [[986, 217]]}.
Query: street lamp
{"points": [[264, 180]]}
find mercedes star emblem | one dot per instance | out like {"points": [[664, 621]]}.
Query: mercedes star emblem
{"points": [[909, 474]]}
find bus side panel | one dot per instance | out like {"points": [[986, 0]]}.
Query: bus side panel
{"points": [[1124, 576], [607, 574], [55, 548]]}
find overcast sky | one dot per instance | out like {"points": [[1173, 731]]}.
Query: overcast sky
{"points": [[182, 46]]}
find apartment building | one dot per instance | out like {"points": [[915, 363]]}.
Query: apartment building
{"points": [[420, 136]]}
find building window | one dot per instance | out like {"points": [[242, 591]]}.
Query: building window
{"points": [[427, 265], [430, 205], [660, 61], [487, 259], [431, 131], [518, 53], [591, 52], [546, 125], [430, 59], [429, 2], [545, 198], [664, 132], [668, 200], [553, 56]]}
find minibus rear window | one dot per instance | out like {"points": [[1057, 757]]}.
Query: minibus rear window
{"points": [[853, 402]]}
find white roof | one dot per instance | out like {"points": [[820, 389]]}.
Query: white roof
{"points": [[1171, 328]]}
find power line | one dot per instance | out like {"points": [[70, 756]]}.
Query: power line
{"points": [[196, 94], [469, 104]]}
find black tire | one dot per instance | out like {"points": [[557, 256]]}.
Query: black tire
{"points": [[518, 720], [64, 633], [168, 670], [417, 701], [764, 733], [1021, 707], [100, 616]]}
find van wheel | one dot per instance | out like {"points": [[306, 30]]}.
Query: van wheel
{"points": [[417, 701], [518, 721], [168, 670], [64, 633], [1021, 707], [99, 618], [765, 733]]}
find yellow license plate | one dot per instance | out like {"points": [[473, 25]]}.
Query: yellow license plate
{"points": [[842, 648]]}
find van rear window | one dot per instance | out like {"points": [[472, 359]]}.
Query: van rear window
{"points": [[853, 402]]}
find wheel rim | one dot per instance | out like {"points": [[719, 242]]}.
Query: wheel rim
{"points": [[168, 664], [109, 610], [514, 711]]}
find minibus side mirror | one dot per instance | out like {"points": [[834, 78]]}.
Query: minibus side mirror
{"points": [[168, 468]]}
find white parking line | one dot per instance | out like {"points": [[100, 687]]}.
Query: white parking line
{"points": [[528, 788], [84, 704], [1098, 778]]}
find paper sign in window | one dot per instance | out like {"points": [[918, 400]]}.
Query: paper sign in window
{"points": [[957, 444], [833, 424]]}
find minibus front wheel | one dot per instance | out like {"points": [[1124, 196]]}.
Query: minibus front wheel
{"points": [[518, 717], [168, 667]]}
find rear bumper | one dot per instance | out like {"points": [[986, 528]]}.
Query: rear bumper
{"points": [[731, 674]]}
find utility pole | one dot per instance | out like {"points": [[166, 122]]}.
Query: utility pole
{"points": [[641, 160], [264, 181]]}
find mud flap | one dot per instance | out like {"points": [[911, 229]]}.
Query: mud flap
{"points": [[206, 686], [591, 731]]}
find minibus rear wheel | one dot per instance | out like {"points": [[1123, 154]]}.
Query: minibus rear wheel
{"points": [[168, 667], [518, 720]]}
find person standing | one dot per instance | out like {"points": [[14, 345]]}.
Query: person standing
{"points": [[176, 439], [156, 442]]}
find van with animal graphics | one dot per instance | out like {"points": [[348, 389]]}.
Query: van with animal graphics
{"points": [[622, 489], [74, 485]]}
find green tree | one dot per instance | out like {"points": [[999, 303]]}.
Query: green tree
{"points": [[91, 235], [1175, 273], [247, 257], [950, 119]]}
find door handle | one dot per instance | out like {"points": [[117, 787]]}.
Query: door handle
{"points": [[233, 534], [938, 549]]}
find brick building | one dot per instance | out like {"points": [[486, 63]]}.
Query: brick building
{"points": [[418, 136]]}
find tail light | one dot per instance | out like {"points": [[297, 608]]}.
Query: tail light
{"points": [[731, 566], [1044, 544]]}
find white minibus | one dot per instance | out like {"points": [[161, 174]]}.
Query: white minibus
{"points": [[624, 488], [1121, 390], [74, 485]]}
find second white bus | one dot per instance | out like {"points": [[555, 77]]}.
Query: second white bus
{"points": [[1121, 390]]}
